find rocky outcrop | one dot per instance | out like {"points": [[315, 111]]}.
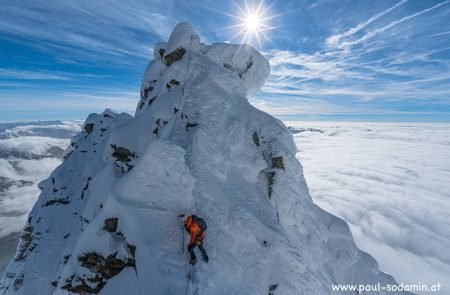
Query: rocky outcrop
{"points": [[123, 158], [174, 56], [102, 269]]}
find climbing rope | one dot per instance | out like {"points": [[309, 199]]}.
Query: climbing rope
{"points": [[189, 279], [182, 89]]}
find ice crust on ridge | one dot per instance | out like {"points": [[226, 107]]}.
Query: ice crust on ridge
{"points": [[106, 220]]}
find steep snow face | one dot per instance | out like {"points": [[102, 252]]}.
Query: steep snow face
{"points": [[107, 219]]}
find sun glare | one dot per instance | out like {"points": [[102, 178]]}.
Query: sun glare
{"points": [[252, 22]]}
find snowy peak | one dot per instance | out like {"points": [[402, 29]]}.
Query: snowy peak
{"points": [[181, 40], [184, 58], [107, 220]]}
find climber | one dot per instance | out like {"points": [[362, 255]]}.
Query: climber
{"points": [[196, 227]]}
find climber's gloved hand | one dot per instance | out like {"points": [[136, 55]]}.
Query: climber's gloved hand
{"points": [[191, 247]]}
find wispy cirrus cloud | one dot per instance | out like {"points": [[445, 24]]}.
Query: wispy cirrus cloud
{"points": [[371, 34], [320, 75], [334, 40], [86, 30], [31, 75], [395, 61]]}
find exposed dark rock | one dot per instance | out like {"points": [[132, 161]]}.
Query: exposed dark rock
{"points": [[175, 55], [277, 162], [132, 249], [146, 91], [25, 241], [190, 125], [255, 138], [122, 154], [270, 181], [66, 236], [55, 283], [87, 183], [18, 282], [66, 258], [272, 288], [107, 267], [107, 116], [32, 247], [240, 71], [83, 287], [151, 100], [102, 269], [248, 65], [62, 201], [86, 186], [111, 224], [174, 82], [123, 157], [161, 52], [88, 127], [141, 104]]}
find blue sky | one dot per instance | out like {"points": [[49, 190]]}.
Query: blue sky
{"points": [[330, 60]]}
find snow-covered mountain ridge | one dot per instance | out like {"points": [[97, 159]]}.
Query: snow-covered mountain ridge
{"points": [[106, 220]]}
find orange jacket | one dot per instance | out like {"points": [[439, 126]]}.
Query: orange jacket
{"points": [[194, 230]]}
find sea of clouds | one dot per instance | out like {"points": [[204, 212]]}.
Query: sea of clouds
{"points": [[391, 183], [29, 152]]}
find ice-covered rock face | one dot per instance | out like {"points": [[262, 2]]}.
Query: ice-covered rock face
{"points": [[237, 68], [107, 221]]}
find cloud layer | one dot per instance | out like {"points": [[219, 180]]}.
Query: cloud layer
{"points": [[390, 183], [29, 152]]}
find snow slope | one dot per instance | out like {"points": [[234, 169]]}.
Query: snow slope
{"points": [[106, 221]]}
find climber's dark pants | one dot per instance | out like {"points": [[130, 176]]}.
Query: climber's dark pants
{"points": [[200, 246]]}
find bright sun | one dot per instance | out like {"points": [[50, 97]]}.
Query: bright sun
{"points": [[252, 23]]}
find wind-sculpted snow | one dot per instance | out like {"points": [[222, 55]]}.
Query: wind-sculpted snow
{"points": [[389, 181], [107, 219]]}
